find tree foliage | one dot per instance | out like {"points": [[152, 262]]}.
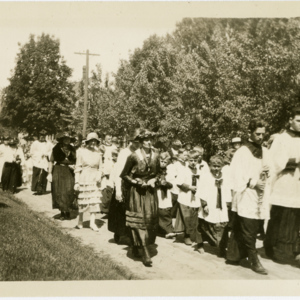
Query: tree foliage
{"points": [[40, 95], [204, 82]]}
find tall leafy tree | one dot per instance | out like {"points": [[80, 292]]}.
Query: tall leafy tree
{"points": [[40, 95], [101, 114]]}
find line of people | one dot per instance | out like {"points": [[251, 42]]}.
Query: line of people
{"points": [[148, 191]]}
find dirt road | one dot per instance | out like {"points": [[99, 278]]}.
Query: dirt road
{"points": [[171, 259]]}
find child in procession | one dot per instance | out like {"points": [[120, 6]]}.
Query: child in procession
{"points": [[214, 192]]}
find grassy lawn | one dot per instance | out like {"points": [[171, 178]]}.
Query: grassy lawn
{"points": [[34, 248]]}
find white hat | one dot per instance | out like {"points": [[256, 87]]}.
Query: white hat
{"points": [[236, 140], [92, 136]]}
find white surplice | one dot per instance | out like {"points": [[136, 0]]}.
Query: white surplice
{"points": [[285, 190]]}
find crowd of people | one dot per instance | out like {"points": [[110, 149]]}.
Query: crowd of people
{"points": [[148, 191]]}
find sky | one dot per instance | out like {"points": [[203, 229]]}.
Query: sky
{"points": [[111, 29]]}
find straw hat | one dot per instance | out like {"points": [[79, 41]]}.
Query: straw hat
{"points": [[92, 136]]}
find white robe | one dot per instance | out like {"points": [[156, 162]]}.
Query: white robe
{"points": [[118, 168], [245, 168], [174, 170], [285, 190], [40, 152], [208, 191], [203, 167], [185, 198]]}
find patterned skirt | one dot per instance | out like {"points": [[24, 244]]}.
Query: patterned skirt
{"points": [[89, 191]]}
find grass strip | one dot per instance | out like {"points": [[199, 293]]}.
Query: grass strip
{"points": [[34, 248]]}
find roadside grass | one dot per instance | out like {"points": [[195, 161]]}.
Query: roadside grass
{"points": [[34, 248]]}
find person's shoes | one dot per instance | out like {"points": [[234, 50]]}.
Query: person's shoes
{"points": [[200, 249], [232, 262], [94, 227], [188, 241], [135, 251], [256, 266], [79, 226], [62, 216], [222, 253], [269, 251], [146, 258], [116, 238], [170, 235], [297, 258]]}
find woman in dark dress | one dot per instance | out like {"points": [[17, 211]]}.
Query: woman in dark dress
{"points": [[61, 175], [117, 209], [140, 173], [13, 159]]}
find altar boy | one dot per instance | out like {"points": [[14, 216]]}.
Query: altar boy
{"points": [[187, 213]]}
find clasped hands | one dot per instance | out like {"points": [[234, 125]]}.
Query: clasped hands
{"points": [[143, 184]]}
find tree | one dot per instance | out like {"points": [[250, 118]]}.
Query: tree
{"points": [[40, 95], [101, 115], [206, 81]]}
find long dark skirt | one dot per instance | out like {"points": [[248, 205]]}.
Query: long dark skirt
{"points": [[11, 176], [39, 180], [187, 222], [62, 188], [117, 216], [142, 215], [283, 230], [212, 233]]}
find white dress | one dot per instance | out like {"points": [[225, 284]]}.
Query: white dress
{"points": [[88, 176]]}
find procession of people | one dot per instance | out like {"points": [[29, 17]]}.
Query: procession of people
{"points": [[171, 192]]}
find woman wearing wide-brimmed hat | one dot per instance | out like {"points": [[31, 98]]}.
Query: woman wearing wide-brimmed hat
{"points": [[88, 178], [140, 173], [117, 209], [13, 158], [61, 174]]}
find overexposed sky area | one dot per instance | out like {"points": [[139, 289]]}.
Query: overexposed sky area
{"points": [[111, 29]]}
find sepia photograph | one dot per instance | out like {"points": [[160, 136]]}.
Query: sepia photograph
{"points": [[149, 148]]}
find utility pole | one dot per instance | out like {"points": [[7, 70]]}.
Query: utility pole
{"points": [[86, 84]]}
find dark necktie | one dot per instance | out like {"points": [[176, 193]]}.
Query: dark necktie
{"points": [[194, 183], [218, 183]]}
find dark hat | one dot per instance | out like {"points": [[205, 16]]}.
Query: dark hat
{"points": [[13, 141], [43, 132], [61, 135], [160, 145], [145, 133]]}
